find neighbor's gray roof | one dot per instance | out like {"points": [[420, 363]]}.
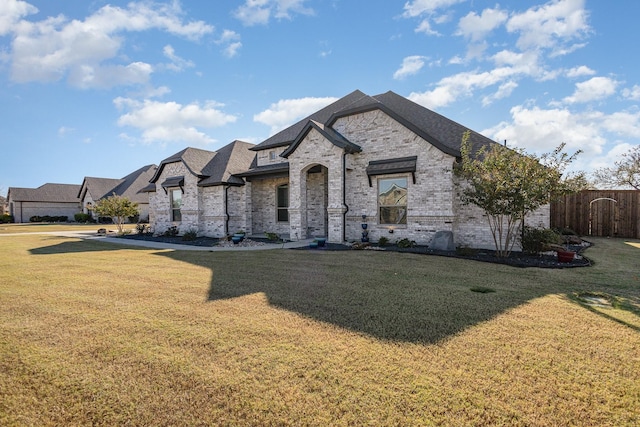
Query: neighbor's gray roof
{"points": [[213, 167], [443, 133], [61, 193], [129, 186]]}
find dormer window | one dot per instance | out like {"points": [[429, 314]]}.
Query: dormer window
{"points": [[272, 155]]}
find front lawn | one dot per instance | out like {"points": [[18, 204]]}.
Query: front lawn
{"points": [[93, 333]]}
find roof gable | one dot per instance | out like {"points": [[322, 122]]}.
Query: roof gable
{"points": [[328, 133], [213, 167], [443, 133], [288, 135]]}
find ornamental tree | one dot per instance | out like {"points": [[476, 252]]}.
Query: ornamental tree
{"points": [[507, 184], [119, 208], [625, 173]]}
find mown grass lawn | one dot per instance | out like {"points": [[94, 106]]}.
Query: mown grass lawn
{"points": [[93, 333]]}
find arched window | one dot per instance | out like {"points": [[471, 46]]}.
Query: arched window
{"points": [[282, 203]]}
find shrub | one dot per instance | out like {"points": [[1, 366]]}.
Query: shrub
{"points": [[143, 229], [48, 218], [406, 243], [272, 236], [171, 231], [6, 218], [82, 218], [190, 235], [536, 240], [382, 241]]}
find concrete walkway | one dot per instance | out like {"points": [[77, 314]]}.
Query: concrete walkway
{"points": [[161, 245]]}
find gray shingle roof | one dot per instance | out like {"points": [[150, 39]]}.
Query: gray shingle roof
{"points": [[213, 167], [443, 133], [129, 186], [62, 193]]}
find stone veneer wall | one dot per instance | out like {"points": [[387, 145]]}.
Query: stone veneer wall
{"points": [[160, 202], [263, 207], [430, 206]]}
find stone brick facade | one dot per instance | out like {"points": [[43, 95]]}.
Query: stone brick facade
{"points": [[331, 190]]}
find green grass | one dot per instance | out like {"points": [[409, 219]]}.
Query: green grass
{"points": [[93, 333]]}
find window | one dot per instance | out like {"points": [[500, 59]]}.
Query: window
{"points": [[176, 204], [392, 200], [283, 203], [272, 155]]}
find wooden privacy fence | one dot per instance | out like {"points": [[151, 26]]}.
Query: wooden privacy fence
{"points": [[607, 213]]}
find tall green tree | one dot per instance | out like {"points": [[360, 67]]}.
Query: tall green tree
{"points": [[119, 208], [508, 184], [624, 174]]}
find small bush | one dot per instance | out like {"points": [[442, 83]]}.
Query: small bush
{"points": [[143, 229], [536, 240], [190, 236], [382, 241], [171, 231], [272, 236], [82, 218], [6, 218], [406, 243]]}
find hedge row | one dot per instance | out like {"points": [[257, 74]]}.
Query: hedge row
{"points": [[47, 218]]}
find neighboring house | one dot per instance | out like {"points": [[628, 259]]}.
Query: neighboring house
{"points": [[93, 190], [381, 160], [46, 200]]}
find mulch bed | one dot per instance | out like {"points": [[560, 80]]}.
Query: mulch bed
{"points": [[516, 259]]}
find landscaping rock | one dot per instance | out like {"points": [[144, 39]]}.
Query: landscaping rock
{"points": [[442, 241]]}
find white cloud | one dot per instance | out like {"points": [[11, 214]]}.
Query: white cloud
{"points": [[476, 27], [632, 94], [231, 41], [451, 88], [56, 47], [541, 130], [259, 12], [428, 10], [550, 25], [64, 130], [416, 8], [580, 71], [177, 63], [287, 111], [11, 12], [504, 91], [592, 89], [410, 65], [172, 122]]}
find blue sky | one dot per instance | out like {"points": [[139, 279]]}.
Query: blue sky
{"points": [[96, 88]]}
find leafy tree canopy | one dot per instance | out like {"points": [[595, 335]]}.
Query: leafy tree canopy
{"points": [[119, 208], [624, 174], [509, 183]]}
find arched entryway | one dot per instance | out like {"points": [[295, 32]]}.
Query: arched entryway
{"points": [[316, 197]]}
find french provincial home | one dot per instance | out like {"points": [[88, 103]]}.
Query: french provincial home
{"points": [[381, 160]]}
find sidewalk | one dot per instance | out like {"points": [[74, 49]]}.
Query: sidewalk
{"points": [[174, 246]]}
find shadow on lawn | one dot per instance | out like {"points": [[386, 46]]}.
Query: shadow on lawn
{"points": [[382, 301], [77, 246], [389, 296]]}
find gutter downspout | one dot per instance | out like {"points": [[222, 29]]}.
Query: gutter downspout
{"points": [[226, 210], [344, 196]]}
